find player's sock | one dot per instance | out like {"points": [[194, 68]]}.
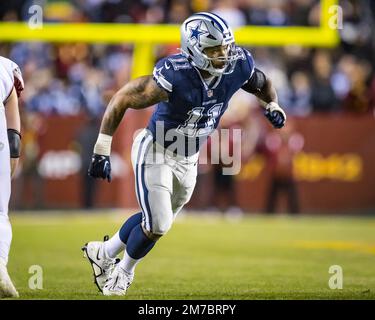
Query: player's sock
{"points": [[117, 243], [5, 238], [128, 263], [113, 246], [129, 225], [138, 246]]}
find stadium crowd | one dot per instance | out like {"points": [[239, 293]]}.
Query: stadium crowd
{"points": [[70, 78]]}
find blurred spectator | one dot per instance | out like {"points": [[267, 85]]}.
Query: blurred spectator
{"points": [[28, 181], [155, 14], [299, 11], [229, 12], [256, 12], [323, 97], [85, 142], [299, 95], [178, 11], [358, 98], [280, 147], [341, 78]]}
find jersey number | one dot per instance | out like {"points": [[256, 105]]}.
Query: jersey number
{"points": [[189, 128]]}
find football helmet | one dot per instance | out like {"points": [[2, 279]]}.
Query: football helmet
{"points": [[203, 30]]}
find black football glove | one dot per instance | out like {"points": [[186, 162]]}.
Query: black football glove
{"points": [[275, 115], [100, 167]]}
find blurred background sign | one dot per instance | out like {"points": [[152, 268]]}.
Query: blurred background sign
{"points": [[333, 172]]}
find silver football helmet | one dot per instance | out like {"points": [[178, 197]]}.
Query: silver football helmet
{"points": [[203, 30]]}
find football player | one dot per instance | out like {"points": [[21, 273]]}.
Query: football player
{"points": [[191, 90], [11, 85]]}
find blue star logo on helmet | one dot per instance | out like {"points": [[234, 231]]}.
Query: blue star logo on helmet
{"points": [[197, 32]]}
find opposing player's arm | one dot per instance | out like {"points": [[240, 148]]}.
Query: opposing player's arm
{"points": [[261, 86], [137, 94], [12, 115]]}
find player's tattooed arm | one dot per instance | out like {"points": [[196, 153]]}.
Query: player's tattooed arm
{"points": [[139, 93], [261, 86]]}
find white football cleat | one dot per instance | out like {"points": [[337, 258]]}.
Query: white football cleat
{"points": [[118, 282], [7, 289], [101, 264]]}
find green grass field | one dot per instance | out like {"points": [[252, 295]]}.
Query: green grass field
{"points": [[203, 257]]}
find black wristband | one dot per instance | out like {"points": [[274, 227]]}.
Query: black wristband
{"points": [[14, 138]]}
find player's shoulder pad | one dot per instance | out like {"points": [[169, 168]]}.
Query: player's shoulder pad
{"points": [[166, 68]]}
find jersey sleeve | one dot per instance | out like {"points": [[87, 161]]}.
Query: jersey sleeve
{"points": [[13, 76], [247, 65], [19, 84], [163, 74]]}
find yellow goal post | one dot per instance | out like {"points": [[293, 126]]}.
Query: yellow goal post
{"points": [[145, 37]]}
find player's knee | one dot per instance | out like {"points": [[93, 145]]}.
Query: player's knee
{"points": [[155, 235], [160, 226]]}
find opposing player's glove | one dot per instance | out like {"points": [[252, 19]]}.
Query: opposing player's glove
{"points": [[275, 115], [100, 167]]}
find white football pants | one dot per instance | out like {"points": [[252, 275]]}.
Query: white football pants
{"points": [[5, 227], [164, 182]]}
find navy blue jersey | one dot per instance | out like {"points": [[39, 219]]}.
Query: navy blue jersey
{"points": [[193, 109]]}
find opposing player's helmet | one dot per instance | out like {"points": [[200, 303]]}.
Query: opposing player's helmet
{"points": [[203, 30]]}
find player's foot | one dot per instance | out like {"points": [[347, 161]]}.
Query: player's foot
{"points": [[7, 289], [118, 282], [101, 264]]}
